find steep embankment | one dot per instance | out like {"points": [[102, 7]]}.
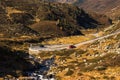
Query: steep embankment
{"points": [[14, 63]]}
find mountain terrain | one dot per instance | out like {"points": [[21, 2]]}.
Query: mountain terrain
{"points": [[39, 23], [99, 5], [63, 1], [102, 6], [94, 60], [108, 7], [37, 17], [14, 63]]}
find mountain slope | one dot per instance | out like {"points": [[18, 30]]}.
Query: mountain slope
{"points": [[10, 27], [110, 7], [63, 1], [114, 13], [100, 5], [96, 5], [69, 20], [13, 62]]}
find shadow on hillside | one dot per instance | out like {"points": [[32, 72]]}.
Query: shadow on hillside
{"points": [[14, 62]]}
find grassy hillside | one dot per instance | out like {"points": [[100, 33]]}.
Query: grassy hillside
{"points": [[114, 13], [38, 15], [96, 60], [16, 30], [109, 7], [11, 26], [26, 22]]}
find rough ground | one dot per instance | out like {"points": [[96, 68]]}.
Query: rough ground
{"points": [[25, 22], [97, 60]]}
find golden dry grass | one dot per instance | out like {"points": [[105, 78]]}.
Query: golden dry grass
{"points": [[11, 10], [1, 35], [109, 74], [67, 40], [73, 39]]}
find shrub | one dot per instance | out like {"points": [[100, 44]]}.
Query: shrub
{"points": [[69, 73]]}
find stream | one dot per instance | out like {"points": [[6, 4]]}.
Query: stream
{"points": [[41, 72]]}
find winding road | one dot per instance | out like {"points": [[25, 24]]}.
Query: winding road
{"points": [[37, 49], [99, 38]]}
